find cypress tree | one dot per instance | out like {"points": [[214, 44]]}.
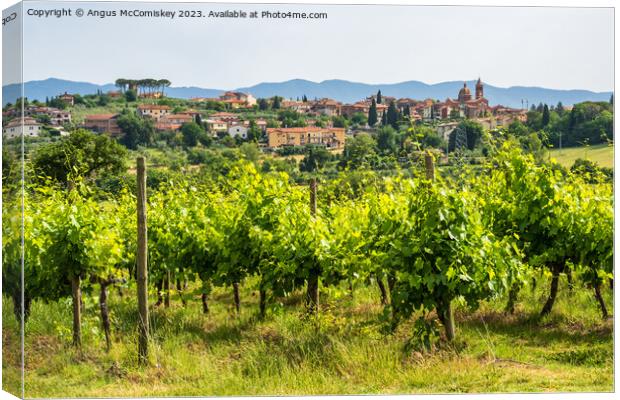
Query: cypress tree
{"points": [[379, 97], [384, 119], [407, 111], [304, 99], [559, 108], [372, 113], [392, 115], [545, 115]]}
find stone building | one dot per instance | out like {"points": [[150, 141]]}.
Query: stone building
{"points": [[332, 138], [464, 105]]}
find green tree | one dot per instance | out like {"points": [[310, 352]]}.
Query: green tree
{"points": [[339, 121], [43, 118], [315, 159], [137, 131], [473, 132], [254, 132], [531, 143], [83, 152], [250, 152], [387, 140], [359, 151], [23, 102], [103, 100], [392, 115], [372, 113], [379, 98], [55, 102], [360, 119], [191, 132], [545, 116], [432, 140], [131, 95], [518, 129]]}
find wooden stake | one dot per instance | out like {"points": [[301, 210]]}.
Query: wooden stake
{"points": [[167, 290], [142, 259], [313, 196], [430, 166], [312, 296], [76, 294]]}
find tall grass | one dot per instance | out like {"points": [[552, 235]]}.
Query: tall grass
{"points": [[345, 350]]}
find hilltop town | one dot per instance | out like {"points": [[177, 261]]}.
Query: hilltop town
{"points": [[324, 121], [378, 131]]}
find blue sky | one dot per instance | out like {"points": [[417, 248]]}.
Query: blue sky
{"points": [[564, 48]]}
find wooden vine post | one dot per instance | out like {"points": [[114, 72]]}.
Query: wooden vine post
{"points": [[430, 166], [312, 298], [76, 294], [142, 273], [444, 306]]}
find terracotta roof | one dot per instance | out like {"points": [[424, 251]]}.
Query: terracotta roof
{"points": [[152, 107], [18, 122], [233, 101], [234, 93], [100, 117], [167, 126], [309, 129], [359, 104], [190, 112], [177, 116], [327, 102]]}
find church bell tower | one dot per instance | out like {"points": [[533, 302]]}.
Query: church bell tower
{"points": [[479, 89]]}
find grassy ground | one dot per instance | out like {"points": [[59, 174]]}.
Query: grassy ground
{"points": [[602, 154], [285, 354]]}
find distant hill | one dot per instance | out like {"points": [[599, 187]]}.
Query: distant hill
{"points": [[341, 90], [51, 87], [39, 90]]}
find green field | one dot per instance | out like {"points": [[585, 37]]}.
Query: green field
{"points": [[601, 154], [285, 354]]}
